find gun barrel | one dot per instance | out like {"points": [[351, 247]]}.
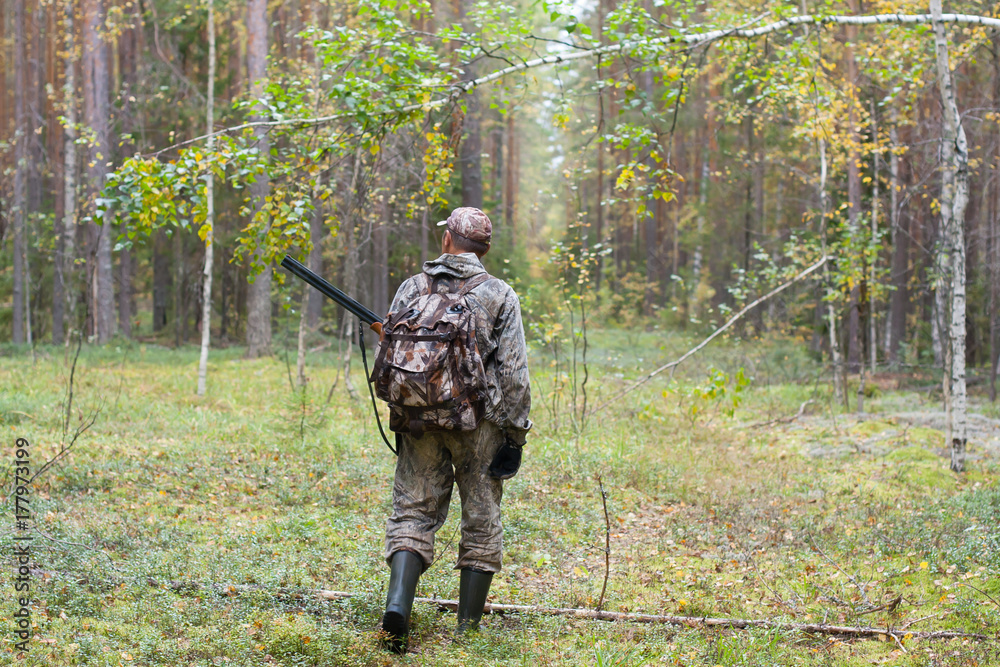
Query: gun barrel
{"points": [[300, 271]]}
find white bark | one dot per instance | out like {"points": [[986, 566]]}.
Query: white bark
{"points": [[954, 198], [698, 38], [206, 294]]}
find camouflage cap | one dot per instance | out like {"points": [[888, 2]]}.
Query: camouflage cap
{"points": [[470, 223]]}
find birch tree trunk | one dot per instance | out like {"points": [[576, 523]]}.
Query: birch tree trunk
{"points": [[259, 293], [20, 167], [206, 289], [954, 197]]}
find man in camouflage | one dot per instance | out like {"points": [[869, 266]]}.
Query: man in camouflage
{"points": [[477, 460]]}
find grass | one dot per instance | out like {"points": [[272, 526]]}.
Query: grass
{"points": [[816, 519]]}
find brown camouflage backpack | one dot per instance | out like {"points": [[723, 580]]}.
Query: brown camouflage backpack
{"points": [[428, 367]]}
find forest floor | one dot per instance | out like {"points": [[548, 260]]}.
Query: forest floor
{"points": [[193, 531]]}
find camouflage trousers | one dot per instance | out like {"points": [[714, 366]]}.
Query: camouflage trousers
{"points": [[426, 472]]}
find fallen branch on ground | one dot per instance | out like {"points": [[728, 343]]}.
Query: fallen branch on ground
{"points": [[594, 615], [783, 420]]}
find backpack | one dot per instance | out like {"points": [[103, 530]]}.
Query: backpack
{"points": [[428, 367]]}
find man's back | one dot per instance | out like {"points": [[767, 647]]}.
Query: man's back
{"points": [[499, 332]]}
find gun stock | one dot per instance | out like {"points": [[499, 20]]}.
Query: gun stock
{"points": [[300, 271]]}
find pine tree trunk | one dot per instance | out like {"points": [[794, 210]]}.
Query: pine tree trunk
{"points": [[993, 258], [206, 293], [854, 346], [161, 279], [470, 151], [36, 110], [900, 241], [180, 282], [259, 293], [838, 378], [351, 265], [872, 347], [64, 222], [20, 168], [380, 256], [650, 225], [314, 300], [95, 102], [954, 198], [424, 235], [510, 190]]}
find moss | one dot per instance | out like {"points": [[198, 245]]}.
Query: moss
{"points": [[911, 454], [871, 427]]}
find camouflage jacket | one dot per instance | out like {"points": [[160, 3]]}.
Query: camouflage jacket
{"points": [[500, 336]]}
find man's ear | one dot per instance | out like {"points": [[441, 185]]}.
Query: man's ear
{"points": [[485, 251]]}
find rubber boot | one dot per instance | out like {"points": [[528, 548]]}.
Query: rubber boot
{"points": [[406, 568], [473, 588]]}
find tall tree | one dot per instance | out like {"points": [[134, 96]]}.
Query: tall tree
{"points": [[259, 294], [95, 104], [206, 293], [66, 227], [854, 343], [954, 198], [20, 168], [993, 257], [470, 151], [899, 240]]}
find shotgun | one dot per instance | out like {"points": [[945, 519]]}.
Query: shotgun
{"points": [[300, 271]]}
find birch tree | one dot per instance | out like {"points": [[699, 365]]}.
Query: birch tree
{"points": [[209, 227], [951, 265]]}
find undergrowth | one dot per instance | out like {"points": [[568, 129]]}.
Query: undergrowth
{"points": [[187, 531]]}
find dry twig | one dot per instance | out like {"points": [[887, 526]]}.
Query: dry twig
{"points": [[607, 543]]}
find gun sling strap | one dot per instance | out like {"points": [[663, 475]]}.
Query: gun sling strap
{"points": [[371, 392]]}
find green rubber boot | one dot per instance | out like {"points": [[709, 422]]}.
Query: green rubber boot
{"points": [[473, 588], [406, 568]]}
